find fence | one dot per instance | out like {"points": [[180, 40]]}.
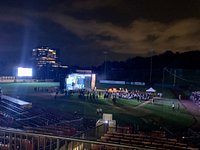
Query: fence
{"points": [[11, 139]]}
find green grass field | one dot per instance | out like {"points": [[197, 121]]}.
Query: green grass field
{"points": [[124, 111]]}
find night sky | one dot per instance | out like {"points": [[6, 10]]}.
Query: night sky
{"points": [[83, 30]]}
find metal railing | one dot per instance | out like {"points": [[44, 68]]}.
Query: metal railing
{"points": [[11, 139]]}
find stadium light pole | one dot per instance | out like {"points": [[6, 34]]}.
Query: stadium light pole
{"points": [[151, 65], [174, 84], [163, 78], [105, 59]]}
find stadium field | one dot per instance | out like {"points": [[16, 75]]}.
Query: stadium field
{"points": [[127, 112]]}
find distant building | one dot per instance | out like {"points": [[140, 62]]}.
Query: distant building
{"points": [[46, 63], [45, 56]]}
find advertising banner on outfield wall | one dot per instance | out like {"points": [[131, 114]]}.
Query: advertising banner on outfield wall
{"points": [[121, 82]]}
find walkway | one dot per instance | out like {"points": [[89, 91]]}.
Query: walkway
{"points": [[144, 103], [194, 109]]}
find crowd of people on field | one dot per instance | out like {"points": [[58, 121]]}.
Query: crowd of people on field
{"points": [[135, 94], [46, 89], [195, 96], [114, 94]]}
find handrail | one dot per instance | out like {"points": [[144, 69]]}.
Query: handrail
{"points": [[66, 138]]}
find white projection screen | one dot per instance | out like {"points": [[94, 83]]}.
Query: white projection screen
{"points": [[77, 81]]}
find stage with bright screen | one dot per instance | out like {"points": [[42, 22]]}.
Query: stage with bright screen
{"points": [[24, 72], [80, 81]]}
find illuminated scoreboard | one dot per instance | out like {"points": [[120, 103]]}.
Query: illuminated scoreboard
{"points": [[24, 72]]}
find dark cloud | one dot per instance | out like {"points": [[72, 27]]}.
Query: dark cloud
{"points": [[124, 12], [138, 37], [94, 4], [88, 28]]}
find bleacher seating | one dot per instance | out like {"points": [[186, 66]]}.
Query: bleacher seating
{"points": [[20, 103], [151, 140], [39, 120], [53, 130]]}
